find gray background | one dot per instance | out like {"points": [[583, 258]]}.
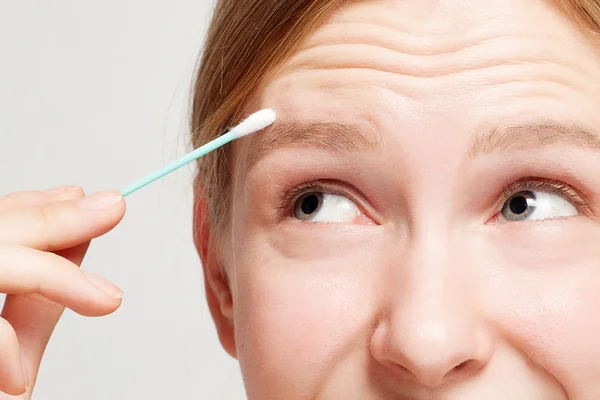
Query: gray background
{"points": [[95, 93]]}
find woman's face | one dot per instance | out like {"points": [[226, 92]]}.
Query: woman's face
{"points": [[423, 221]]}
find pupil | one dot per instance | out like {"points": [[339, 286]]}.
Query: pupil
{"points": [[518, 205], [310, 204]]}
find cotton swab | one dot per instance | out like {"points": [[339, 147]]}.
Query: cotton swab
{"points": [[254, 123]]}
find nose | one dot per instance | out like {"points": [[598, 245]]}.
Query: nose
{"points": [[430, 331]]}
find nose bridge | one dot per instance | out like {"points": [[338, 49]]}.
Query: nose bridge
{"points": [[431, 331], [436, 308]]}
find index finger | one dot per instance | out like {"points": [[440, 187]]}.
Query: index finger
{"points": [[34, 198], [62, 225]]}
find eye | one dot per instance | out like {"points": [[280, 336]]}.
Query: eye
{"points": [[531, 205], [326, 207]]}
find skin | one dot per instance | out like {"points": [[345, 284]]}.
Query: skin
{"points": [[43, 239], [429, 293]]}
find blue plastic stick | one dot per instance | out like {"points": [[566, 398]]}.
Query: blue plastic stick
{"points": [[253, 123], [194, 155]]}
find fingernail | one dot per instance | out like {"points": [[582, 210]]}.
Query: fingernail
{"points": [[100, 201], [62, 189], [104, 285]]}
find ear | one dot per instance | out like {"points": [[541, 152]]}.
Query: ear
{"points": [[216, 284]]}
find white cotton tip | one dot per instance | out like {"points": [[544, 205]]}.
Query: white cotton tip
{"points": [[255, 122]]}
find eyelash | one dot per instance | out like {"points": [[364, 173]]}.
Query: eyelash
{"points": [[548, 186], [290, 197]]}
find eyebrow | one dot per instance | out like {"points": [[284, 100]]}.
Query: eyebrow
{"points": [[532, 136], [328, 136], [337, 137]]}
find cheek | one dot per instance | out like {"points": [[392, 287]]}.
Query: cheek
{"points": [[297, 319], [546, 299]]}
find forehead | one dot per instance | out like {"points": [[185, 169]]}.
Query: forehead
{"points": [[425, 63]]}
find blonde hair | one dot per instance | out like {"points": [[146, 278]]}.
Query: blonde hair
{"points": [[246, 43]]}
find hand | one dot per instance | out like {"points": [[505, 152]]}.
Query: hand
{"points": [[43, 239]]}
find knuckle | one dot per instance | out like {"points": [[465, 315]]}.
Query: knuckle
{"points": [[75, 193], [56, 214], [46, 214]]}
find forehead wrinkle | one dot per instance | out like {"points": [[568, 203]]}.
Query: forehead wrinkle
{"points": [[397, 39], [329, 136], [393, 46], [474, 57]]}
